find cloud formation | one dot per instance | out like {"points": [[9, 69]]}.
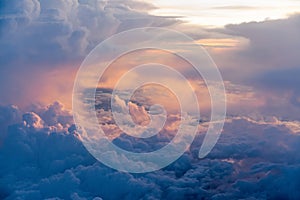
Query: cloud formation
{"points": [[42, 157], [42, 38], [265, 59], [41, 154], [273, 44]]}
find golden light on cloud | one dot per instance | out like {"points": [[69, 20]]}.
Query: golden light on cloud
{"points": [[139, 57], [219, 43], [162, 96], [56, 85]]}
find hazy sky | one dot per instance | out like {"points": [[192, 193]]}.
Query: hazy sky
{"points": [[219, 13]]}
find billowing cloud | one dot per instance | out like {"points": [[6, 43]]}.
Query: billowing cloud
{"points": [[252, 157], [41, 155], [272, 46], [262, 56], [42, 38]]}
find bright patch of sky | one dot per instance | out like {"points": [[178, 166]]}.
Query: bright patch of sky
{"points": [[220, 13]]}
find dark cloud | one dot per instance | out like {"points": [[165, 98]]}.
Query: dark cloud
{"points": [[281, 78], [279, 88]]}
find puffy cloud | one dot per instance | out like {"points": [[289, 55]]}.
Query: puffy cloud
{"points": [[56, 114], [42, 156], [32, 120], [253, 158], [9, 115], [61, 30], [266, 59], [273, 44], [43, 37]]}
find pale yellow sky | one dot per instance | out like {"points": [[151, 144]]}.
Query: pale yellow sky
{"points": [[220, 13]]}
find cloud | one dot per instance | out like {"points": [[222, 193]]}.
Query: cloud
{"points": [[32, 120], [273, 43], [252, 157], [8, 115], [57, 31], [42, 38], [272, 46], [41, 154], [265, 59], [236, 7]]}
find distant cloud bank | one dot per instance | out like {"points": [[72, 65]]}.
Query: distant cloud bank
{"points": [[41, 157]]}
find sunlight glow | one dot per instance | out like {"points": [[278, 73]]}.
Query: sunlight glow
{"points": [[219, 13]]}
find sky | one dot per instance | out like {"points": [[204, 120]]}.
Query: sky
{"points": [[215, 13], [254, 45]]}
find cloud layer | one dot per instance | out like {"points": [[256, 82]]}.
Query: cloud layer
{"points": [[42, 157]]}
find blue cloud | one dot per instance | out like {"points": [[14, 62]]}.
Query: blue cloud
{"points": [[41, 157]]}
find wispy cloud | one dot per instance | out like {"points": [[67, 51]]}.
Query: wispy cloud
{"points": [[236, 7]]}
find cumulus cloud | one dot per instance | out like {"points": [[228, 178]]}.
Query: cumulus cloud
{"points": [[52, 31], [43, 37], [8, 115], [271, 53], [273, 43], [264, 58], [252, 159], [32, 120], [41, 154]]}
